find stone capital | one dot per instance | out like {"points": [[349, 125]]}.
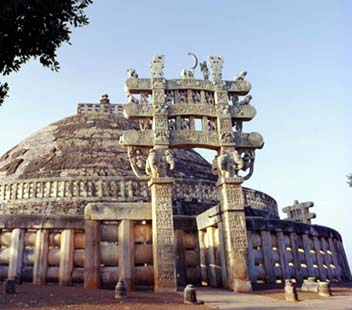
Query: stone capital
{"points": [[234, 180], [161, 180]]}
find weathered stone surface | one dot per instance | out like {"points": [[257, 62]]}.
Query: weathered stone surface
{"points": [[85, 145]]}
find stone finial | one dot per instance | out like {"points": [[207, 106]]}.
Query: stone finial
{"points": [[299, 212], [157, 66], [290, 291], [120, 289], [105, 99], [189, 73], [216, 64], [190, 295], [324, 289], [9, 286]]}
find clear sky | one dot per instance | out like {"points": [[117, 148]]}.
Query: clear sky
{"points": [[298, 58]]}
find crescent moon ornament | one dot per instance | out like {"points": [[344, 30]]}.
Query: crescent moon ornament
{"points": [[195, 59]]}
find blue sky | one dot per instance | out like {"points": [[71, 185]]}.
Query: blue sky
{"points": [[297, 54]]}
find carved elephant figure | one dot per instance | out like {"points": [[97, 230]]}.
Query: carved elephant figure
{"points": [[227, 164], [151, 167]]}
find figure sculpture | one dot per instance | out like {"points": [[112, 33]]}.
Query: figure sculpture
{"points": [[204, 69], [151, 167], [132, 73], [158, 165], [246, 100], [227, 164], [132, 99], [240, 76]]}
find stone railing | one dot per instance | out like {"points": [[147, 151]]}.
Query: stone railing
{"points": [[98, 188], [83, 108], [277, 250], [280, 250], [114, 189]]}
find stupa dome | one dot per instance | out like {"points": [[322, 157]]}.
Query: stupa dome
{"points": [[78, 160]]}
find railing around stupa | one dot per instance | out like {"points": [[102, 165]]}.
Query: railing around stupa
{"points": [[122, 189]]}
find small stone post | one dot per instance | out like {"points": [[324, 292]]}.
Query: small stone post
{"points": [[310, 285], [290, 291], [190, 295], [120, 289], [324, 289], [9, 286]]}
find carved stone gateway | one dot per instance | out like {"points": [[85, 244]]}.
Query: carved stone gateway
{"points": [[191, 113]]}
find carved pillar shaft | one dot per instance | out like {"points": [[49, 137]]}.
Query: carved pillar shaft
{"points": [[234, 233], [163, 234]]}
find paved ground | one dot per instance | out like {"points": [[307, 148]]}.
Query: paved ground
{"points": [[274, 299]]}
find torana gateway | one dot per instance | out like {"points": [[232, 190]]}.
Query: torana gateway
{"points": [[117, 191]]}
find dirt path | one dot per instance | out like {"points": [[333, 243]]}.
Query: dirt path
{"points": [[30, 297]]}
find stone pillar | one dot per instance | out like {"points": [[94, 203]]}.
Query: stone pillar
{"points": [[251, 259], [66, 257], [180, 258], [267, 256], [283, 255], [308, 256], [222, 258], [346, 273], [163, 234], [327, 259], [296, 258], [16, 252], [317, 248], [92, 255], [234, 233], [40, 266], [335, 260], [202, 257], [211, 256], [126, 252]]}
